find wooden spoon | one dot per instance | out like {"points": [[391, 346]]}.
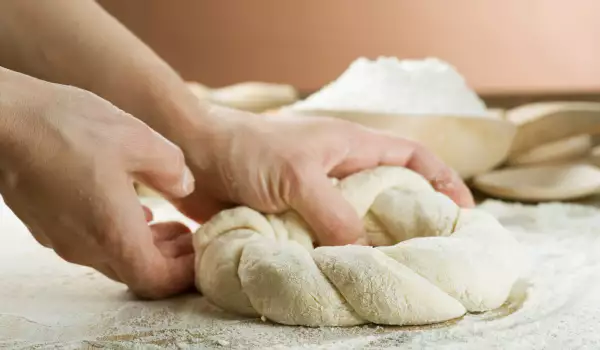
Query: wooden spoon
{"points": [[247, 96], [541, 183], [569, 149], [547, 122]]}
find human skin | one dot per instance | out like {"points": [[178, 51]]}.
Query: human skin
{"points": [[81, 153], [68, 160]]}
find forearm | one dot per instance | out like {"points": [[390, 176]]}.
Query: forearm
{"points": [[78, 43], [4, 120], [12, 87], [21, 98]]}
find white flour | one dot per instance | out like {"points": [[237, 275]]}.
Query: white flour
{"points": [[388, 85], [45, 303]]}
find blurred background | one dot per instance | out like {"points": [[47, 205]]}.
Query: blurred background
{"points": [[510, 51]]}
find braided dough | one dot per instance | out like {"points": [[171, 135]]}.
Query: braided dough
{"points": [[449, 260]]}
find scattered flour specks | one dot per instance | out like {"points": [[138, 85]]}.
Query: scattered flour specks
{"points": [[48, 304]]}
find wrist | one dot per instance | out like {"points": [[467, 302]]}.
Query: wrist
{"points": [[173, 110], [156, 95], [168, 105]]}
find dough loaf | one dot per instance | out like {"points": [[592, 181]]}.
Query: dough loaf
{"points": [[432, 260]]}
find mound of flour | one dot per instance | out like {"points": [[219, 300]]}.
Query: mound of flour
{"points": [[388, 85]]}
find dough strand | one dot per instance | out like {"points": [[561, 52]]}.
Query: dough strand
{"points": [[433, 261]]}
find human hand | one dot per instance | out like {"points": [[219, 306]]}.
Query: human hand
{"points": [[69, 159], [276, 163]]}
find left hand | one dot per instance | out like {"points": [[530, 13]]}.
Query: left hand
{"points": [[275, 163]]}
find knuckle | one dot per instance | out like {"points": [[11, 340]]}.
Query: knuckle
{"points": [[443, 179], [293, 173], [351, 126], [418, 147], [132, 130], [160, 145], [354, 129], [141, 134], [148, 285], [148, 145], [341, 127], [68, 255], [39, 236], [419, 151], [75, 93], [105, 240], [43, 241], [178, 159], [175, 173]]}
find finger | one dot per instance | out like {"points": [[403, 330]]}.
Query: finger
{"points": [[160, 165], [173, 239], [176, 246], [164, 231], [148, 213], [198, 207], [450, 183], [371, 149], [442, 178], [137, 260], [332, 218]]}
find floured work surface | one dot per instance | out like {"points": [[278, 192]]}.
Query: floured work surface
{"points": [[46, 303]]}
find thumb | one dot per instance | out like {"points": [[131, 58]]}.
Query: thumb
{"points": [[160, 164], [153, 262], [327, 212]]}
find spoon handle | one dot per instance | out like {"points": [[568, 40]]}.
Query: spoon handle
{"points": [[542, 123]]}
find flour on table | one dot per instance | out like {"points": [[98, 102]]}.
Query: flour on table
{"points": [[388, 85], [48, 304]]}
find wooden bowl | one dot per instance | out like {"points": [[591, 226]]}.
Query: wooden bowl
{"points": [[470, 145]]}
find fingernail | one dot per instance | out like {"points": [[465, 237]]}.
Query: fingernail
{"points": [[188, 181]]}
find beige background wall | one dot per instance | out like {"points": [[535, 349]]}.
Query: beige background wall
{"points": [[506, 46]]}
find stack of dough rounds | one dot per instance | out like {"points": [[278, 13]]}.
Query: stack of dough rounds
{"points": [[448, 261]]}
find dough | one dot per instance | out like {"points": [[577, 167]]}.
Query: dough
{"points": [[433, 261]]}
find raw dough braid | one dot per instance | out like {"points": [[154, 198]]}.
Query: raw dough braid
{"points": [[449, 260]]}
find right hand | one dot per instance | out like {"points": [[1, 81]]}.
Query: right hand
{"points": [[68, 160], [273, 164]]}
